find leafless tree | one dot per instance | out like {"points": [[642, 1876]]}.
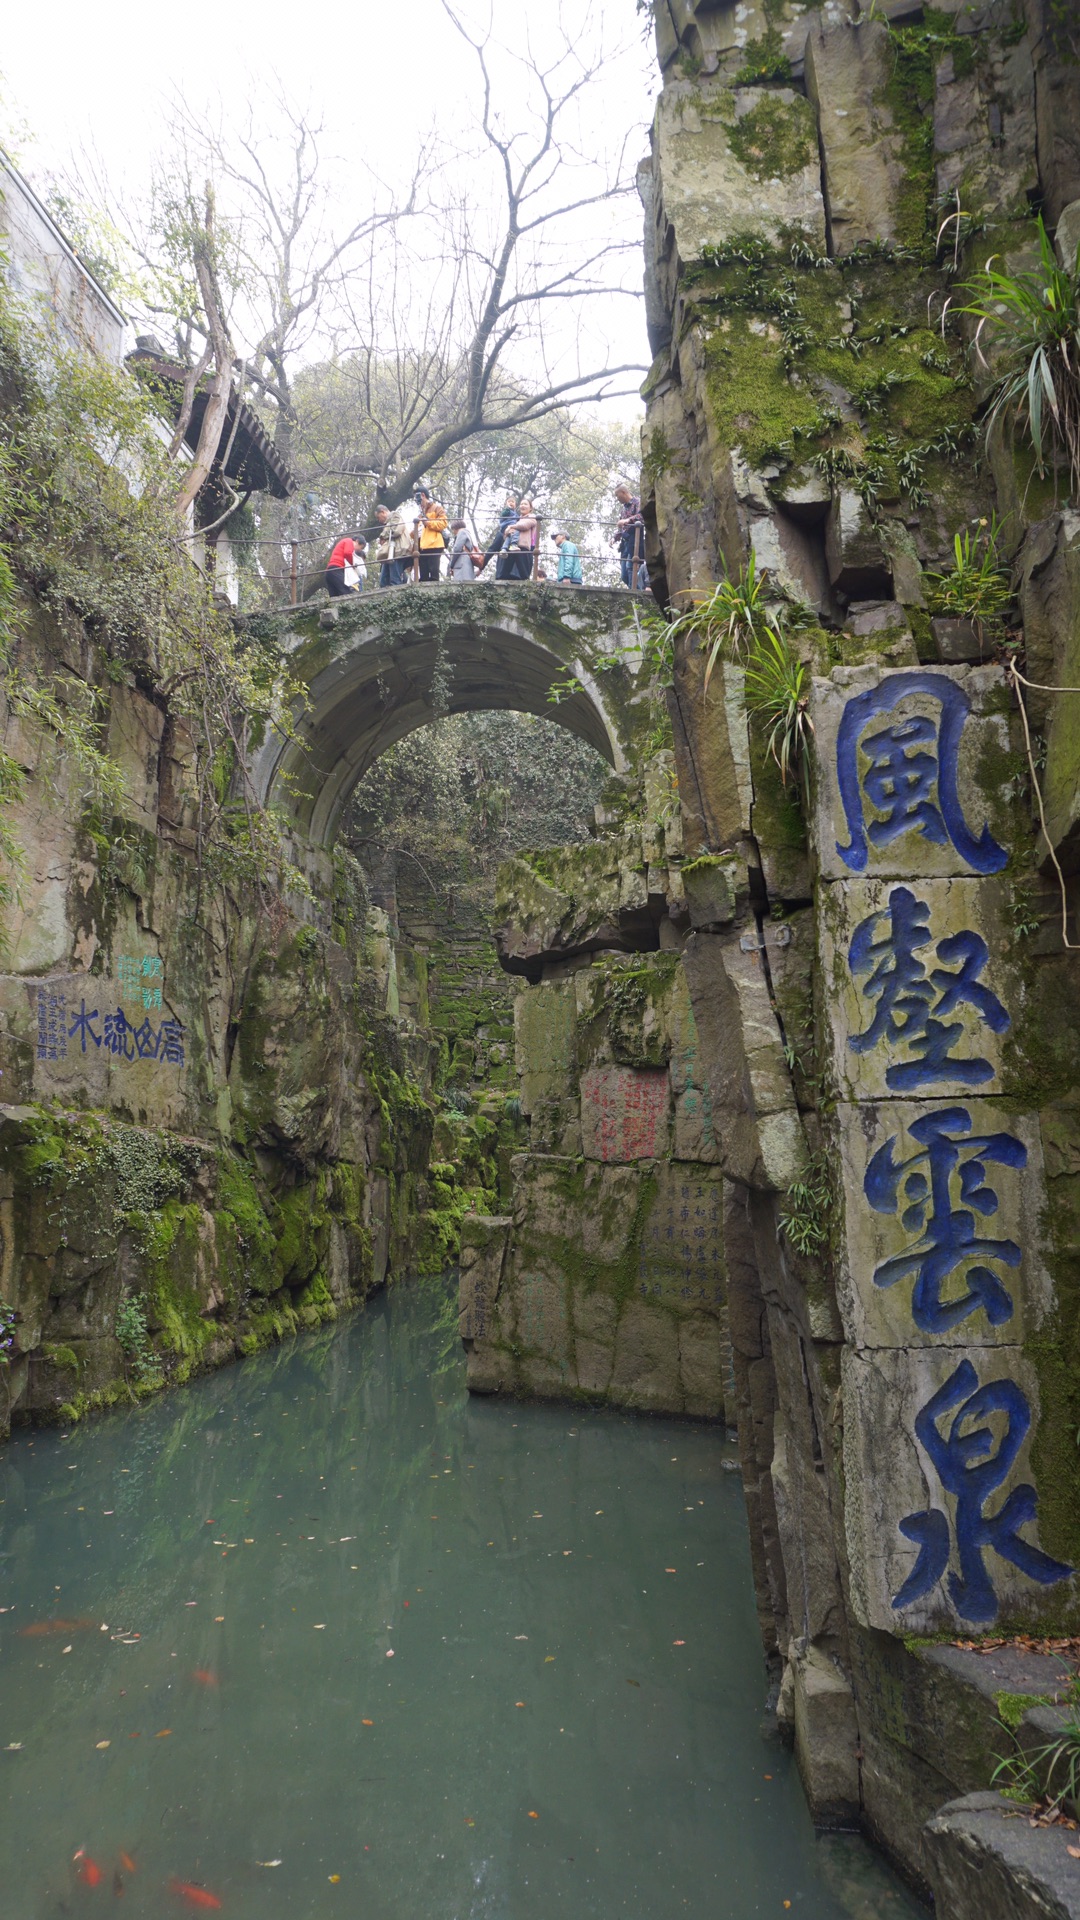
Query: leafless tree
{"points": [[295, 255], [455, 344]]}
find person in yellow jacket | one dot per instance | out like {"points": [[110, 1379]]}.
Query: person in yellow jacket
{"points": [[430, 528]]}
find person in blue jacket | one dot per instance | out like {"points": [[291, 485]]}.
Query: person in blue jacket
{"points": [[497, 547], [569, 573]]}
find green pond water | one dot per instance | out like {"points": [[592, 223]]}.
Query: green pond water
{"points": [[344, 1643]]}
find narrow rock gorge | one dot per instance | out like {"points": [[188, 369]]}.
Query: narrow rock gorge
{"points": [[755, 1103]]}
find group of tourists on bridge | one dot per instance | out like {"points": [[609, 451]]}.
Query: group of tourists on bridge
{"points": [[406, 550]]}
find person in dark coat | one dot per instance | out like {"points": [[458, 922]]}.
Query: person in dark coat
{"points": [[498, 544]]}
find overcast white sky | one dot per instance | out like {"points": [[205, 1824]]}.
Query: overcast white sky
{"points": [[102, 77]]}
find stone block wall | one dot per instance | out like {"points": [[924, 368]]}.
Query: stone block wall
{"points": [[897, 1155], [606, 1281]]}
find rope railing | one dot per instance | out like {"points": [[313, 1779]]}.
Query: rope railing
{"points": [[295, 568]]}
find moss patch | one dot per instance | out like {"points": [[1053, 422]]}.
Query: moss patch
{"points": [[776, 138]]}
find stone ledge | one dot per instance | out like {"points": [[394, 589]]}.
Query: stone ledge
{"points": [[986, 1862]]}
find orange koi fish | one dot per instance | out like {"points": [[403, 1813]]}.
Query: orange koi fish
{"points": [[87, 1870], [39, 1627], [205, 1678], [195, 1896], [126, 1862]]}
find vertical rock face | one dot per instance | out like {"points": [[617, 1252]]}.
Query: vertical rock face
{"points": [[213, 1128], [885, 1017], [607, 1280]]}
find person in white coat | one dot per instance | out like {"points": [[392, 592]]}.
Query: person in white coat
{"points": [[461, 553]]}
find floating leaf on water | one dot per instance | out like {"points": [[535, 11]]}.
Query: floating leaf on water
{"points": [[268, 1863], [13, 1746]]}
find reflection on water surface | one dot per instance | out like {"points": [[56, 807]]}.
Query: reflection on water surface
{"points": [[320, 1637]]}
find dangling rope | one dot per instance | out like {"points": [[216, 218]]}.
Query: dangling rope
{"points": [[1035, 686]]}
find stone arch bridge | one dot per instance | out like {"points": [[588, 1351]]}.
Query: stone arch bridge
{"points": [[376, 667]]}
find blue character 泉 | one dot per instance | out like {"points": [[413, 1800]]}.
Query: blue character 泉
{"points": [[971, 1461]]}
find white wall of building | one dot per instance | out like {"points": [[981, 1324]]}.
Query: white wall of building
{"points": [[42, 266]]}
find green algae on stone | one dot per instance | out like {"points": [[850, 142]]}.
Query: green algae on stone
{"points": [[777, 138]]}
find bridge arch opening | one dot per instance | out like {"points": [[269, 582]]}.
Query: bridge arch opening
{"points": [[402, 658]]}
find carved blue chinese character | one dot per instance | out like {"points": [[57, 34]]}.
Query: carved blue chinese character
{"points": [[82, 1025], [971, 1461], [911, 782], [171, 1042], [912, 1006], [146, 1041], [947, 1240], [119, 1035]]}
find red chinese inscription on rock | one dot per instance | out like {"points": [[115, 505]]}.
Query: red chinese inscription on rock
{"points": [[625, 1113]]}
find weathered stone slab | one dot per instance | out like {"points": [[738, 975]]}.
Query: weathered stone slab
{"points": [[484, 1239], [899, 787], [946, 1538], [847, 71], [941, 1233], [986, 1864], [100, 1040], [826, 1735], [645, 1374], [941, 1704], [545, 1042], [681, 1261], [541, 1324], [625, 1113], [984, 131], [918, 991], [135, 729], [608, 1281], [856, 560], [730, 158], [695, 1136]]}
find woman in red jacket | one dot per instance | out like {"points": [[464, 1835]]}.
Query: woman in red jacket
{"points": [[345, 554]]}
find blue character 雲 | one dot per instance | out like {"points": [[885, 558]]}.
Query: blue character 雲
{"points": [[946, 1239]]}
